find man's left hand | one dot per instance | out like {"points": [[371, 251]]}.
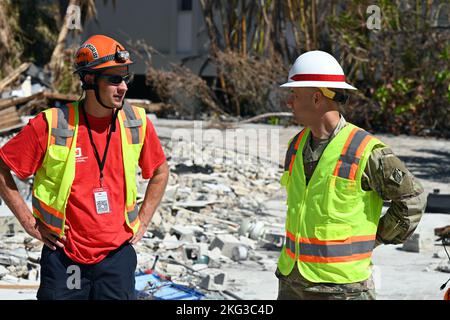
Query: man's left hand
{"points": [[139, 234]]}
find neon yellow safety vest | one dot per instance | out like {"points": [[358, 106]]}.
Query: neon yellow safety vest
{"points": [[332, 222], [53, 180]]}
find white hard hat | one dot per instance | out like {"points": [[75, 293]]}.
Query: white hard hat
{"points": [[317, 69]]}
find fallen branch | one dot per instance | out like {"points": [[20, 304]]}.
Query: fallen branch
{"points": [[267, 115], [148, 105], [5, 103]]}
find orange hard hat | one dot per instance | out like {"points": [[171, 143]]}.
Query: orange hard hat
{"points": [[100, 52]]}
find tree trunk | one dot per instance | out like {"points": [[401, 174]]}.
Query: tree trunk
{"points": [[314, 25], [290, 10], [305, 25], [8, 54], [57, 60], [243, 29]]}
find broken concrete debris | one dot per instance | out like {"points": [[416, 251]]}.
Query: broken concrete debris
{"points": [[213, 217]]}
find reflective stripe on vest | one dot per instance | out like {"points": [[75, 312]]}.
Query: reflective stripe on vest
{"points": [[292, 151], [348, 162], [352, 249], [290, 244], [133, 125], [49, 215], [132, 214], [62, 126]]}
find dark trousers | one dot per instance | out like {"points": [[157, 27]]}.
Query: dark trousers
{"points": [[110, 279]]}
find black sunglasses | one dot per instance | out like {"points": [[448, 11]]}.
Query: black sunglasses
{"points": [[115, 79]]}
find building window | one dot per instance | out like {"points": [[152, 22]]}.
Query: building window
{"points": [[184, 27], [185, 5]]}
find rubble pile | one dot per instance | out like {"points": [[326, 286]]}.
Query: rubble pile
{"points": [[19, 259], [223, 212], [217, 213]]}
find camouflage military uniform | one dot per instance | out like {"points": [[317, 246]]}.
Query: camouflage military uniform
{"points": [[388, 176]]}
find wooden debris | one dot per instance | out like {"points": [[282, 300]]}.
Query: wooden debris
{"points": [[5, 103], [9, 118], [267, 115], [14, 75], [148, 105]]}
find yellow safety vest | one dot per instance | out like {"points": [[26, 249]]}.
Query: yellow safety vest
{"points": [[53, 180], [332, 222]]}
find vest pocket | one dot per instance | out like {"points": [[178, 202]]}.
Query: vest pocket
{"points": [[332, 231], [284, 179], [56, 160], [341, 195]]}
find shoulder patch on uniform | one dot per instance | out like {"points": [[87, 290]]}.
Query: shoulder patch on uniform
{"points": [[397, 176]]}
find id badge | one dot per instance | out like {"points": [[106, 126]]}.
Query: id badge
{"points": [[101, 200]]}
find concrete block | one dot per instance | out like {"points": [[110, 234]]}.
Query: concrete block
{"points": [[193, 251], [185, 233], [170, 242], [214, 281], [418, 243], [226, 243], [182, 233]]}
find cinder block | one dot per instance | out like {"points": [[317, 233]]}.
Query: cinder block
{"points": [[183, 233], [418, 243], [214, 281], [226, 243]]}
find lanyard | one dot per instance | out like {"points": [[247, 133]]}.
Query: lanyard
{"points": [[101, 163]]}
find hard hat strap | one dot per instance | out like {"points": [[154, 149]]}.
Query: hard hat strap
{"points": [[97, 96], [94, 86], [335, 96], [328, 93]]}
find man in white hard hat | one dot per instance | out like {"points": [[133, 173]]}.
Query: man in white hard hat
{"points": [[337, 177]]}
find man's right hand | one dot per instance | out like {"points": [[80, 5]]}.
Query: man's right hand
{"points": [[35, 228]]}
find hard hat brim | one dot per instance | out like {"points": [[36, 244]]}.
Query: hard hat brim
{"points": [[318, 84]]}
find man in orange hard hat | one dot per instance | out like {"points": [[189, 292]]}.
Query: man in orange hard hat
{"points": [[84, 158], [337, 177]]}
